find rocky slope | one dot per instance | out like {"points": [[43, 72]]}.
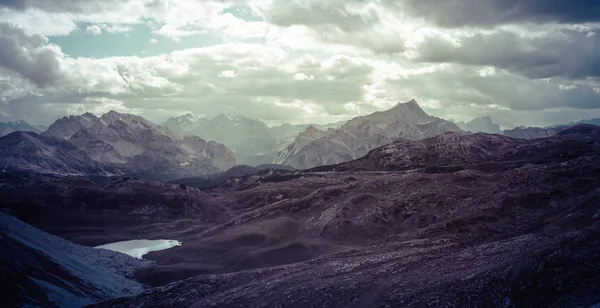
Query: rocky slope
{"points": [[480, 125], [454, 220], [362, 134], [136, 146], [208, 181], [41, 270], [30, 151]]}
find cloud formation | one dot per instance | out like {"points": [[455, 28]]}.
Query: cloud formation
{"points": [[29, 55], [305, 60], [459, 13]]}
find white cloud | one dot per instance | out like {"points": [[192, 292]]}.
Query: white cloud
{"points": [[94, 30], [116, 28], [302, 76], [29, 55], [153, 41], [227, 74], [175, 33]]}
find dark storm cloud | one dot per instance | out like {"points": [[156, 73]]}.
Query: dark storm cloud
{"points": [[457, 13], [29, 55], [566, 53]]}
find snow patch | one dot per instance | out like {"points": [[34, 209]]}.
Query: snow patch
{"points": [[139, 248]]}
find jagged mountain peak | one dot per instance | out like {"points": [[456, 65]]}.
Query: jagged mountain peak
{"points": [[362, 134], [411, 104]]}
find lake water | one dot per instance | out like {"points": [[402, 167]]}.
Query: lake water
{"points": [[138, 248]]}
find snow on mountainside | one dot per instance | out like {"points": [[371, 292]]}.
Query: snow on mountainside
{"points": [[362, 134], [128, 143], [481, 125], [48, 271], [30, 151]]}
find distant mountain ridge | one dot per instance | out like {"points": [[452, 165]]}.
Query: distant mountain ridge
{"points": [[480, 125], [123, 142], [9, 127], [253, 142], [362, 134]]}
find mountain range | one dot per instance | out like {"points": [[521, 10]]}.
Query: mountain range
{"points": [[117, 143], [358, 136], [114, 143], [252, 141]]}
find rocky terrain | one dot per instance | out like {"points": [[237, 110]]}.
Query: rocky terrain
{"points": [[208, 181], [123, 143], [473, 220], [480, 125], [30, 151], [360, 135], [41, 270]]}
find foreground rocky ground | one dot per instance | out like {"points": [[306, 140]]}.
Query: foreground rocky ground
{"points": [[457, 220]]}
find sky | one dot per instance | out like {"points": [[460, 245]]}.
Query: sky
{"points": [[523, 62]]}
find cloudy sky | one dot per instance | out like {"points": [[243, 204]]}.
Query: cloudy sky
{"points": [[532, 62]]}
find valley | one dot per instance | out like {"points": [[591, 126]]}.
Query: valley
{"points": [[455, 218]]}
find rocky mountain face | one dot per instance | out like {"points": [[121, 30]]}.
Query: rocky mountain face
{"points": [[32, 152], [133, 145], [362, 134], [10, 127], [252, 141], [480, 125], [465, 220]]}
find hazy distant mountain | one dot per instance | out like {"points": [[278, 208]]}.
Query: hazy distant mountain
{"points": [[135, 145], [249, 139], [533, 132], [303, 139], [362, 134], [480, 125], [252, 141], [523, 132], [9, 127]]}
